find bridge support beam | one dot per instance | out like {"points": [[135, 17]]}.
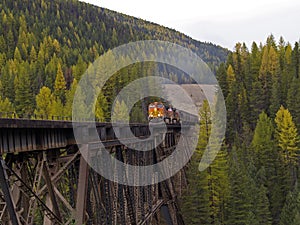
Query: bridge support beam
{"points": [[166, 214], [51, 196], [7, 195], [82, 191]]}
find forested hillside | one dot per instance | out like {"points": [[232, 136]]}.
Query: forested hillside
{"points": [[254, 179], [45, 47]]}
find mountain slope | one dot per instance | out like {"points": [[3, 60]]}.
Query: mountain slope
{"points": [[84, 24], [41, 41]]}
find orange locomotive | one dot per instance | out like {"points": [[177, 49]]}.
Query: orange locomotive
{"points": [[157, 112]]}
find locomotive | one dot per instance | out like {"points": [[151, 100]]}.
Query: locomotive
{"points": [[157, 111]]}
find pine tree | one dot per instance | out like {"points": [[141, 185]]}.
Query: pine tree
{"points": [[262, 142], [222, 79], [231, 78], [17, 56], [256, 102], [293, 100], [266, 157], [10, 44], [3, 46], [101, 108], [7, 83], [197, 200], [24, 98], [263, 207], [69, 99], [6, 107], [32, 55], [268, 70], [287, 136], [296, 60], [233, 115], [276, 98], [50, 71], [219, 187], [57, 109], [288, 142], [291, 209], [44, 102], [241, 193], [120, 112], [60, 85], [79, 68]]}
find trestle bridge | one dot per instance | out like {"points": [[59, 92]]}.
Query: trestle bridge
{"points": [[45, 179]]}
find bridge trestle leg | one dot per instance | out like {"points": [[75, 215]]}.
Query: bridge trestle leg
{"points": [[51, 196], [82, 191], [7, 194]]}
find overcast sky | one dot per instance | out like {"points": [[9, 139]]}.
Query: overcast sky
{"points": [[222, 22]]}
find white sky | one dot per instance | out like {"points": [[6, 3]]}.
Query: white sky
{"points": [[218, 21]]}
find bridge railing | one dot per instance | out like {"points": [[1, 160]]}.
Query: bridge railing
{"points": [[14, 115], [187, 117]]}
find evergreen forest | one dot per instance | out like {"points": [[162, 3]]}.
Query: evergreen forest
{"points": [[254, 178], [46, 46]]}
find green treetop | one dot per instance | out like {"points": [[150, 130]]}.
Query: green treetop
{"points": [[120, 112], [287, 136], [44, 102], [60, 84]]}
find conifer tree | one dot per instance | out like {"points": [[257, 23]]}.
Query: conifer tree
{"points": [[291, 209], [6, 107], [222, 79], [57, 108], [44, 102], [262, 142], [79, 68], [287, 136], [32, 55], [293, 100], [242, 188], [24, 98], [60, 85], [195, 201], [101, 107], [3, 46], [17, 55], [120, 112], [296, 60], [268, 70], [276, 98], [69, 99], [197, 204], [263, 207], [266, 157], [288, 142], [10, 44]]}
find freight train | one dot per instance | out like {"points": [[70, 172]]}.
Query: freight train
{"points": [[158, 111]]}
